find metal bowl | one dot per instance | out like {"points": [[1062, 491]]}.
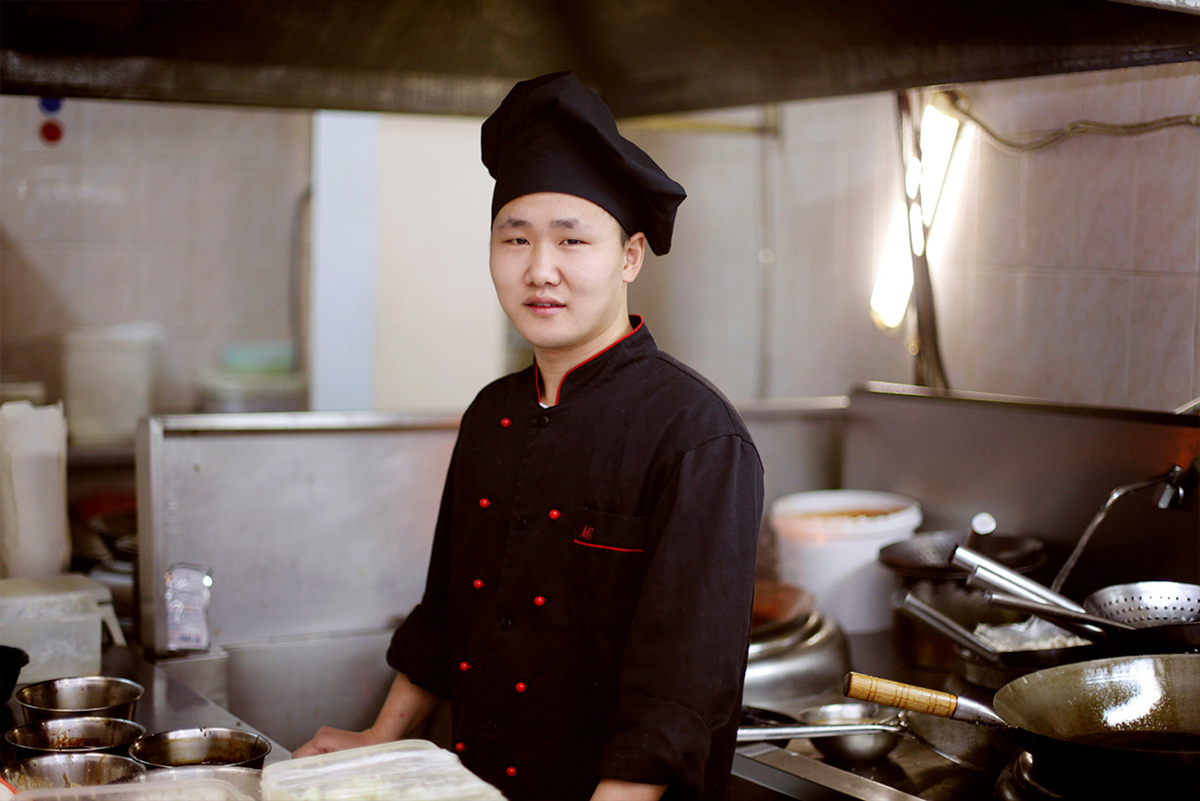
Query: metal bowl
{"points": [[201, 746], [80, 696], [247, 781], [74, 735], [854, 747], [70, 770]]}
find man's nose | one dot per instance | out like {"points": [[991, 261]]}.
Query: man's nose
{"points": [[541, 269]]}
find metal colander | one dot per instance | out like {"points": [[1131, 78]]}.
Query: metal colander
{"points": [[1147, 603]]}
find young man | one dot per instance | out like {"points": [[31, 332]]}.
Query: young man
{"points": [[587, 607]]}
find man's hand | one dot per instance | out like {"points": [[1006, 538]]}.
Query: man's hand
{"points": [[328, 739], [405, 707]]}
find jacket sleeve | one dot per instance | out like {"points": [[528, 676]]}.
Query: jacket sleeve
{"points": [[419, 648], [685, 657]]}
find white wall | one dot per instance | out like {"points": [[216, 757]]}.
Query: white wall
{"points": [[440, 330], [1069, 274], [346, 219]]}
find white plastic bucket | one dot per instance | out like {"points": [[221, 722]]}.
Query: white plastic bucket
{"points": [[108, 381], [829, 543]]}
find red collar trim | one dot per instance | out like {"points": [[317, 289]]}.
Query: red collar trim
{"points": [[537, 374]]}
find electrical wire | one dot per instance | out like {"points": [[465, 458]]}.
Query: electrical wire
{"points": [[958, 106]]}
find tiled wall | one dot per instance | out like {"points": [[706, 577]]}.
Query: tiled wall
{"points": [[1068, 274], [177, 215]]}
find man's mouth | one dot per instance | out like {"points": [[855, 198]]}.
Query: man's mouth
{"points": [[544, 304]]}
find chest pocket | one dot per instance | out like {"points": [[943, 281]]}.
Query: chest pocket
{"points": [[607, 564]]}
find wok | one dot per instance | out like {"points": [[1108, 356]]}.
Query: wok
{"points": [[1125, 722], [1113, 635]]}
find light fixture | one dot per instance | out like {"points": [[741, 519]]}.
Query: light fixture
{"points": [[924, 175]]}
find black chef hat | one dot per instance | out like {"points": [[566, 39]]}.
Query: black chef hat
{"points": [[553, 134]]}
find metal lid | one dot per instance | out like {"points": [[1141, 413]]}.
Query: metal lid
{"points": [[927, 554]]}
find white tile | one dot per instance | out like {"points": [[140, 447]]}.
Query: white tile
{"points": [[1166, 230], [98, 286], [999, 208], [1052, 206], [1096, 336], [1162, 327], [43, 197], [1105, 183], [110, 201], [16, 130], [168, 191], [113, 127]]}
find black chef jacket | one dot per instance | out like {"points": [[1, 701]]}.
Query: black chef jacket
{"points": [[587, 608]]}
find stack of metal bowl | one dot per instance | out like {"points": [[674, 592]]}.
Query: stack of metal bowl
{"points": [[77, 732]]}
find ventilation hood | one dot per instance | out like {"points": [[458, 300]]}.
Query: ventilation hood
{"points": [[644, 56]]}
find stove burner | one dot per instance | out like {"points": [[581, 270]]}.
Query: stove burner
{"points": [[1018, 783]]}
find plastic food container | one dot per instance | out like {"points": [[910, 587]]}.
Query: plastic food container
{"points": [[406, 770], [60, 633], [829, 543], [191, 790]]}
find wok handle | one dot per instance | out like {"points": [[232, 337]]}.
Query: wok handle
{"points": [[918, 699]]}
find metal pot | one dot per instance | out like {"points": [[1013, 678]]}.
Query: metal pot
{"points": [[922, 567]]}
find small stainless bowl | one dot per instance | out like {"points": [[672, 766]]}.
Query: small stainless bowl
{"points": [[201, 746], [70, 770], [74, 735], [864, 747], [247, 781], [80, 696]]}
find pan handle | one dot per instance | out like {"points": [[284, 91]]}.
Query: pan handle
{"points": [[1055, 613], [946, 626], [919, 699]]}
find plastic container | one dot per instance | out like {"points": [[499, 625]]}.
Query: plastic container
{"points": [[190, 790], [108, 381], [413, 770], [829, 543], [253, 392], [61, 634]]}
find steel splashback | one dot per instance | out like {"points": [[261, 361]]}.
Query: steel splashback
{"points": [[645, 58]]}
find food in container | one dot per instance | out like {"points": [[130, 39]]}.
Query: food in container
{"points": [[405, 770], [73, 735], [69, 770]]}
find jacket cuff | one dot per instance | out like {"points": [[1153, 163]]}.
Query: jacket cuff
{"points": [[655, 742], [416, 651]]}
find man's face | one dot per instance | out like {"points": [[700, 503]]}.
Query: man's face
{"points": [[560, 269]]}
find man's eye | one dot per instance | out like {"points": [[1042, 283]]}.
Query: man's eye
{"points": [[517, 240], [572, 241]]}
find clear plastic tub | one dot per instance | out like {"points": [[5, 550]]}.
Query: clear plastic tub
{"points": [[405, 770], [191, 790]]}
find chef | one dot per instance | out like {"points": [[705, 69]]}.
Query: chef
{"points": [[587, 605]]}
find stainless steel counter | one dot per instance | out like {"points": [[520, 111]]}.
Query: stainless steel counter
{"points": [[166, 704]]}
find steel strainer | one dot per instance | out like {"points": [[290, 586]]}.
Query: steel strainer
{"points": [[1147, 603]]}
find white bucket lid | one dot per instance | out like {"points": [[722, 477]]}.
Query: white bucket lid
{"points": [[845, 514]]}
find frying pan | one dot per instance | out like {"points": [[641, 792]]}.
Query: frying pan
{"points": [[1140, 618], [1123, 722]]}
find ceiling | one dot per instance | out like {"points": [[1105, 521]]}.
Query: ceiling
{"points": [[643, 56]]}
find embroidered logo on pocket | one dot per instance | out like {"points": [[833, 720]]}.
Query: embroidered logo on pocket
{"points": [[586, 534]]}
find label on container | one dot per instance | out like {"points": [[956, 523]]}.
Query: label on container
{"points": [[188, 591]]}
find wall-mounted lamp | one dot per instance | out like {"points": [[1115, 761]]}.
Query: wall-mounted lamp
{"points": [[924, 176]]}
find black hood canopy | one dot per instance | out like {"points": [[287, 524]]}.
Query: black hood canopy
{"points": [[646, 57]]}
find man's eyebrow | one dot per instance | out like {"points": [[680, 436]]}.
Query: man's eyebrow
{"points": [[566, 222]]}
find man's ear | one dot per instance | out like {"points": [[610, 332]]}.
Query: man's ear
{"points": [[635, 253]]}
